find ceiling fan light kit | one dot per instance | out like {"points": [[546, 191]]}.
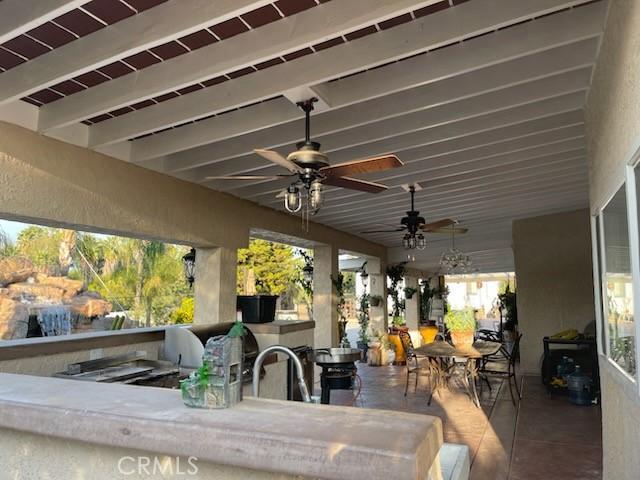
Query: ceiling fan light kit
{"points": [[313, 171], [413, 224]]}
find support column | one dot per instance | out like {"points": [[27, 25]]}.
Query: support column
{"points": [[412, 310], [379, 319], [215, 285], [325, 300]]}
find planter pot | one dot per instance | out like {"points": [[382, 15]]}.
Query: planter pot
{"points": [[257, 308], [428, 333], [396, 345], [462, 339], [363, 347], [374, 354], [375, 302]]}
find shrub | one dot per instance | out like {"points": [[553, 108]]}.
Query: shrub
{"points": [[460, 320]]}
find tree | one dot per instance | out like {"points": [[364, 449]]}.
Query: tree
{"points": [[7, 247], [40, 245], [276, 267]]}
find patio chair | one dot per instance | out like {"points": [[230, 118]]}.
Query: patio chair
{"points": [[502, 365], [412, 364]]}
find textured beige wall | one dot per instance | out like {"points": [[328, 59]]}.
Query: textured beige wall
{"points": [[26, 456], [613, 133], [555, 285], [47, 365], [45, 179]]}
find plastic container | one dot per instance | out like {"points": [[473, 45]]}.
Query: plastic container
{"points": [[579, 386]]}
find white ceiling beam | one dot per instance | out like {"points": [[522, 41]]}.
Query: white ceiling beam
{"points": [[464, 201], [421, 128], [20, 16], [480, 212], [155, 26], [269, 41], [543, 34], [436, 94], [504, 101], [462, 162], [437, 209], [439, 29], [532, 171]]}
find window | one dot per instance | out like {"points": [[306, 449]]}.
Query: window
{"points": [[597, 266], [55, 282], [617, 284]]}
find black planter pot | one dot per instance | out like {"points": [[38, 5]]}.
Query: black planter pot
{"points": [[257, 308]]}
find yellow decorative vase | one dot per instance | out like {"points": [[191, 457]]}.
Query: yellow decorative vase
{"points": [[428, 334], [462, 339], [396, 344]]}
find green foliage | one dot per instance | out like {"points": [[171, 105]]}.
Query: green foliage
{"points": [[460, 320], [340, 285], [306, 286], [141, 276], [276, 268], [409, 292], [508, 304], [363, 318], [395, 273], [41, 246], [7, 247]]}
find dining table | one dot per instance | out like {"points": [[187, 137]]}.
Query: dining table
{"points": [[446, 362]]}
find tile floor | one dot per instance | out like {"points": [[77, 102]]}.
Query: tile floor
{"points": [[546, 438]]}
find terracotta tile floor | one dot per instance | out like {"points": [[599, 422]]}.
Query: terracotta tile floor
{"points": [[546, 438]]}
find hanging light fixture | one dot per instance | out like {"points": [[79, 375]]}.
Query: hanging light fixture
{"points": [[315, 196], [454, 260], [421, 243], [307, 272], [364, 277], [189, 264], [292, 199]]}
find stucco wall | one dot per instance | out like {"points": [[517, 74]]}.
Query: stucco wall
{"points": [[555, 285], [613, 133], [45, 179]]}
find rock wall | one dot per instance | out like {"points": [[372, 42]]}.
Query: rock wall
{"points": [[21, 286]]}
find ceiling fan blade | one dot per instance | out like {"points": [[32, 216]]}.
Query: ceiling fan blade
{"points": [[366, 165], [384, 231], [445, 222], [449, 230], [355, 184], [247, 177], [278, 159]]}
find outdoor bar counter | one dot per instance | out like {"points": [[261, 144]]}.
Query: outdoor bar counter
{"points": [[55, 428]]}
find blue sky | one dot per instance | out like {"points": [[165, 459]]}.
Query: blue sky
{"points": [[12, 229]]}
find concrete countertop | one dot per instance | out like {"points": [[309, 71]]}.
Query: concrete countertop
{"points": [[280, 327], [288, 437]]}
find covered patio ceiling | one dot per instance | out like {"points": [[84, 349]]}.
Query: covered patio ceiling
{"points": [[482, 99]]}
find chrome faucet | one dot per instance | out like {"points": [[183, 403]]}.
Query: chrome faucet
{"points": [[296, 361]]}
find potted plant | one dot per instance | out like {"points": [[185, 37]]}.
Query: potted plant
{"points": [[509, 308], [340, 285], [363, 320], [409, 292], [462, 326], [375, 300]]}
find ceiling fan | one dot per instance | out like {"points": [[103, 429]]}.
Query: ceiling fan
{"points": [[414, 225], [310, 169]]}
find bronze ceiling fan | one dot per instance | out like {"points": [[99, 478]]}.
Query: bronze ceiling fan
{"points": [[312, 169], [414, 225]]}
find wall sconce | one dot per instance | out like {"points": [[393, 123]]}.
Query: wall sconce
{"points": [[189, 263]]}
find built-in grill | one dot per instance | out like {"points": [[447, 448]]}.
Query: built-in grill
{"points": [[183, 350], [338, 370]]}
